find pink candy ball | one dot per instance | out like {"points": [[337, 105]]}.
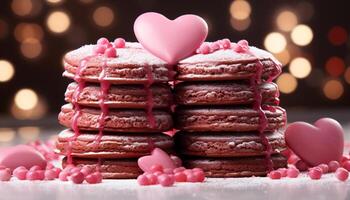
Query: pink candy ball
{"points": [[99, 49], [152, 179], [156, 168], [33, 175], [157, 173], [191, 177], [63, 176], [98, 176], [342, 174], [166, 180], [346, 165], [77, 178], [86, 170], [119, 43], [333, 165], [293, 172], [102, 41], [35, 168], [226, 43], [142, 180], [94, 178], [50, 174], [180, 177], [168, 171], [179, 169], [5, 174], [283, 171], [204, 48], [200, 176], [41, 174], [275, 174], [214, 46], [315, 173], [20, 174], [74, 170], [324, 168], [49, 166], [111, 52]]}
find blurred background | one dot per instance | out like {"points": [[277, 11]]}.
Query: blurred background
{"points": [[310, 38]]}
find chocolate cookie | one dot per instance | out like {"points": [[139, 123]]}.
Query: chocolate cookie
{"points": [[235, 167], [133, 65], [227, 119], [112, 145], [122, 96], [221, 144], [117, 120], [110, 168], [226, 64], [223, 93]]}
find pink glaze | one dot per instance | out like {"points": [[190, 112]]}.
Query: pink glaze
{"points": [[274, 174], [309, 142], [342, 174], [164, 38], [5, 174], [142, 180], [292, 172], [180, 177], [166, 180], [333, 165], [157, 156], [119, 43], [315, 173], [77, 178], [21, 155]]}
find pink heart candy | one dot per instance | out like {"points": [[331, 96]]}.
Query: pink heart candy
{"points": [[157, 157], [170, 40], [21, 155], [318, 144]]}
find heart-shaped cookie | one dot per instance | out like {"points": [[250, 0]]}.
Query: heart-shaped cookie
{"points": [[170, 40], [316, 144], [157, 157]]}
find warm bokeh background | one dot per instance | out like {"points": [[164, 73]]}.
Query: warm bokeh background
{"points": [[311, 39]]}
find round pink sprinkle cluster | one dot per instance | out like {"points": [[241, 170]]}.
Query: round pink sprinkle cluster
{"points": [[109, 49], [241, 46]]}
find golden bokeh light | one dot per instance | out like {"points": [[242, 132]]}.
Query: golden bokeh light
{"points": [[286, 20], [287, 83], [333, 89], [240, 25], [283, 57], [36, 112], [6, 71], [26, 99], [240, 9], [347, 75], [302, 35], [25, 31], [103, 16], [22, 7], [300, 67], [29, 133], [54, 1], [58, 22], [7, 134], [31, 48], [275, 42]]}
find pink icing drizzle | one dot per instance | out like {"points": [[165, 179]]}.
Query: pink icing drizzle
{"points": [[150, 103]]}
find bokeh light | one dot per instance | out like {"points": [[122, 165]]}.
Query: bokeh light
{"points": [[337, 35], [240, 25], [31, 48], [26, 99], [54, 1], [103, 16], [287, 83], [4, 29], [22, 7], [302, 35], [275, 42], [286, 20], [335, 66], [28, 133], [7, 134], [300, 67], [240, 9], [25, 31], [333, 89], [283, 57], [6, 71], [347, 75], [37, 112], [58, 22]]}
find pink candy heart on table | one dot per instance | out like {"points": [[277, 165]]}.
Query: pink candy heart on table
{"points": [[170, 40], [157, 157], [318, 144], [21, 155]]}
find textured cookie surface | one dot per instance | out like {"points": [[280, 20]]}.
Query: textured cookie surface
{"points": [[112, 145], [222, 144], [116, 120]]}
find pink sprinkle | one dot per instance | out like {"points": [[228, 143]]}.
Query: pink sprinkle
{"points": [[35, 168], [50, 174], [342, 174], [63, 176], [179, 169], [324, 168], [275, 174], [177, 161], [111, 52], [333, 165], [315, 173], [119, 43], [142, 180], [292, 172], [200, 176], [226, 43], [156, 168], [21, 173], [99, 49], [77, 178], [152, 179], [180, 177], [166, 180], [5, 174], [346, 165], [102, 41], [204, 48], [301, 165], [283, 171]]}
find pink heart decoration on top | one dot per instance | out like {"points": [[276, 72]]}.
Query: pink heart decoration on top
{"points": [[316, 144], [170, 40], [21, 155], [157, 157]]}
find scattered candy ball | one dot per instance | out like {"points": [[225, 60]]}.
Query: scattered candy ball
{"points": [[77, 178], [63, 176], [275, 174], [119, 43], [283, 171], [156, 168], [111, 52], [180, 177], [32, 175], [152, 179], [324, 168], [315, 173], [204, 49], [102, 41], [20, 173], [5, 174], [346, 165], [166, 180], [226, 43], [99, 49], [142, 180], [214, 46], [292, 172], [199, 175], [342, 174], [40, 175], [35, 168], [50, 174], [94, 178], [333, 165]]}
